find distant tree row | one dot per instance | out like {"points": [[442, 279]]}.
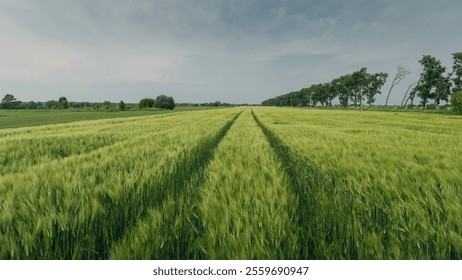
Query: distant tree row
{"points": [[357, 87], [434, 85], [10, 102], [161, 101], [209, 104]]}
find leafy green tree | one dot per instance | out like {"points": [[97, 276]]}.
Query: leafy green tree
{"points": [[432, 83], [164, 102], [442, 90], [63, 103], [344, 89], [457, 72], [322, 94], [107, 105], [358, 85], [331, 91], [355, 87], [122, 105], [375, 83], [51, 104], [146, 103], [9, 102], [30, 105], [456, 102], [8, 98]]}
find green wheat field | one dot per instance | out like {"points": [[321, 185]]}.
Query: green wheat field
{"points": [[235, 183]]}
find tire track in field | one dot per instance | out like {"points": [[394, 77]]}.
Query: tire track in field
{"points": [[106, 220], [305, 178], [245, 202], [173, 210]]}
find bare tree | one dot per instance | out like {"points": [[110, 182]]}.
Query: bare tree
{"points": [[412, 90], [400, 75]]}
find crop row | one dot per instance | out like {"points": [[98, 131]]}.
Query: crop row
{"points": [[240, 208], [266, 183], [375, 186], [75, 207], [23, 148]]}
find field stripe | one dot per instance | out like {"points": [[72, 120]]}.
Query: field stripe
{"points": [[306, 178], [243, 205], [74, 208], [394, 190], [21, 154], [236, 207], [171, 224], [246, 204], [21, 149]]}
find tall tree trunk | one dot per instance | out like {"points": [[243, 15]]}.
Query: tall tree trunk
{"points": [[388, 95], [405, 95]]}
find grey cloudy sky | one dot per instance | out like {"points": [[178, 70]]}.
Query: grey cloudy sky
{"points": [[239, 51]]}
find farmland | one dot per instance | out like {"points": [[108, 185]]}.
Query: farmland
{"points": [[237, 183], [22, 118]]}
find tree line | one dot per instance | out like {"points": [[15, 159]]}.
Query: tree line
{"points": [[434, 86], [10, 102], [358, 87]]}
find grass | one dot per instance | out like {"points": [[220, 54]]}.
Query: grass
{"points": [[74, 207], [170, 228], [239, 209], [247, 205], [25, 118], [236, 183], [377, 185]]}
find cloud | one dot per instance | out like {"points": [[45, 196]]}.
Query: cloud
{"points": [[204, 50]]}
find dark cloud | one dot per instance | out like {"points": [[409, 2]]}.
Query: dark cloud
{"points": [[204, 50]]}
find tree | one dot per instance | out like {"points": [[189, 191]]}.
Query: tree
{"points": [[146, 103], [406, 98], [400, 75], [122, 105], [9, 101], [106, 105], [457, 72], [442, 90], [332, 90], [344, 89], [63, 103], [165, 102], [318, 94], [358, 85], [51, 104], [354, 87], [456, 102], [8, 98], [30, 105], [433, 84], [375, 83]]}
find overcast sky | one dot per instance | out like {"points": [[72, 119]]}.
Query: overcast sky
{"points": [[238, 51]]}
